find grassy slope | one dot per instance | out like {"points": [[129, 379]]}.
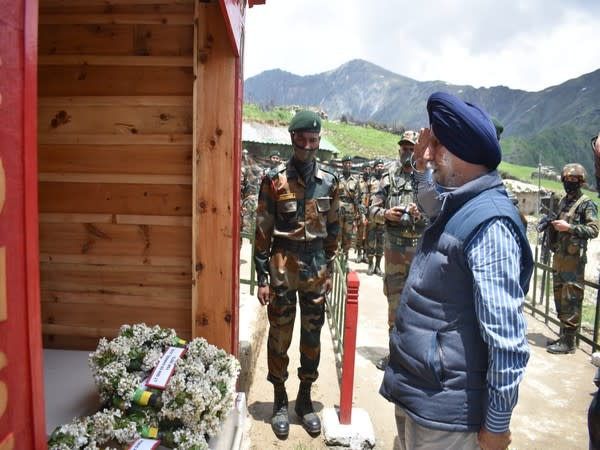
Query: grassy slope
{"points": [[368, 142]]}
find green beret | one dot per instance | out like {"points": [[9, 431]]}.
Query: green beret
{"points": [[378, 161], [305, 121], [274, 153], [347, 158], [499, 127]]}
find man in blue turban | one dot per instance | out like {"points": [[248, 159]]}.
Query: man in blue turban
{"points": [[458, 349]]}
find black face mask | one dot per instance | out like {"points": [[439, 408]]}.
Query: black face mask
{"points": [[405, 159], [365, 176], [571, 187]]}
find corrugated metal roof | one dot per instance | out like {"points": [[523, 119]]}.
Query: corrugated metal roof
{"points": [[263, 133]]}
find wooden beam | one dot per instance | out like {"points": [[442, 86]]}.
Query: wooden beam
{"points": [[115, 259], [122, 100], [213, 313], [95, 60], [102, 198], [84, 80], [127, 219], [116, 139], [122, 18], [114, 178], [105, 3]]}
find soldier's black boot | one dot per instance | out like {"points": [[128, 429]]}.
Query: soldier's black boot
{"points": [[377, 268], [566, 344], [556, 341], [359, 256], [280, 422], [371, 266], [305, 411]]}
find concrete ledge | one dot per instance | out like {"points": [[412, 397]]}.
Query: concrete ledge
{"points": [[357, 435], [253, 325]]}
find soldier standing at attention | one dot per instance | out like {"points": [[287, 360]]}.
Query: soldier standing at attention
{"points": [[295, 244], [596, 149], [375, 229], [349, 203], [364, 187], [393, 205], [577, 222], [274, 160]]}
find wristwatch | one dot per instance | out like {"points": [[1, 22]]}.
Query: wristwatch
{"points": [[263, 280]]}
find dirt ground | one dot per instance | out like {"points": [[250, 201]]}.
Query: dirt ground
{"points": [[534, 427]]}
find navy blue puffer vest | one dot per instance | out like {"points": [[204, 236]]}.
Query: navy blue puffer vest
{"points": [[438, 359]]}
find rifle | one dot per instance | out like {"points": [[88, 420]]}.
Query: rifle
{"points": [[548, 237]]}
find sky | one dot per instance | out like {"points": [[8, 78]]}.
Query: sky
{"points": [[521, 44]]}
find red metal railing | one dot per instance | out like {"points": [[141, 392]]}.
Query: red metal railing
{"points": [[350, 322]]}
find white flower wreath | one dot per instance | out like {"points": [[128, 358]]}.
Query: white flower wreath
{"points": [[192, 407]]}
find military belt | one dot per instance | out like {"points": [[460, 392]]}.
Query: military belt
{"points": [[405, 242], [298, 246]]}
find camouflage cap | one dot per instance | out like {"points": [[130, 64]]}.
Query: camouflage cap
{"points": [[378, 161], [347, 158], [409, 136], [305, 121], [274, 153], [573, 169]]}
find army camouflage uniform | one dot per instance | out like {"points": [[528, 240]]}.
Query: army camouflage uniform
{"points": [[251, 177], [400, 242], [568, 264], [374, 229], [596, 144], [296, 240], [349, 208], [364, 189]]}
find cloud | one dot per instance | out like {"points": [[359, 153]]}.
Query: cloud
{"points": [[523, 45]]}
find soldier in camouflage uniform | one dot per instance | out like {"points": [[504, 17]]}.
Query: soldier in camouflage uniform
{"points": [[251, 177], [374, 228], [296, 241], [350, 206], [364, 187], [393, 205], [596, 149], [576, 223], [274, 161]]}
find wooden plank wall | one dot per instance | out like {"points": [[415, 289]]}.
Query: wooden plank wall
{"points": [[115, 166]]}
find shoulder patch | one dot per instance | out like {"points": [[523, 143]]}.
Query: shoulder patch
{"points": [[276, 171]]}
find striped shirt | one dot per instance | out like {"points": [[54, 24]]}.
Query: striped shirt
{"points": [[494, 257]]}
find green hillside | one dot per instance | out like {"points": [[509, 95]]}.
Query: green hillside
{"points": [[354, 140], [369, 142]]}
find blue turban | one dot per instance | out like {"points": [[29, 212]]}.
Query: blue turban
{"points": [[464, 129]]}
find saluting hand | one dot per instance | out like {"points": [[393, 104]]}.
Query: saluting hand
{"points": [[420, 147]]}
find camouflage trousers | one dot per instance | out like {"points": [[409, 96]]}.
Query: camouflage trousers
{"points": [[249, 213], [296, 277], [398, 257], [361, 230], [346, 230], [568, 273], [375, 239]]}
